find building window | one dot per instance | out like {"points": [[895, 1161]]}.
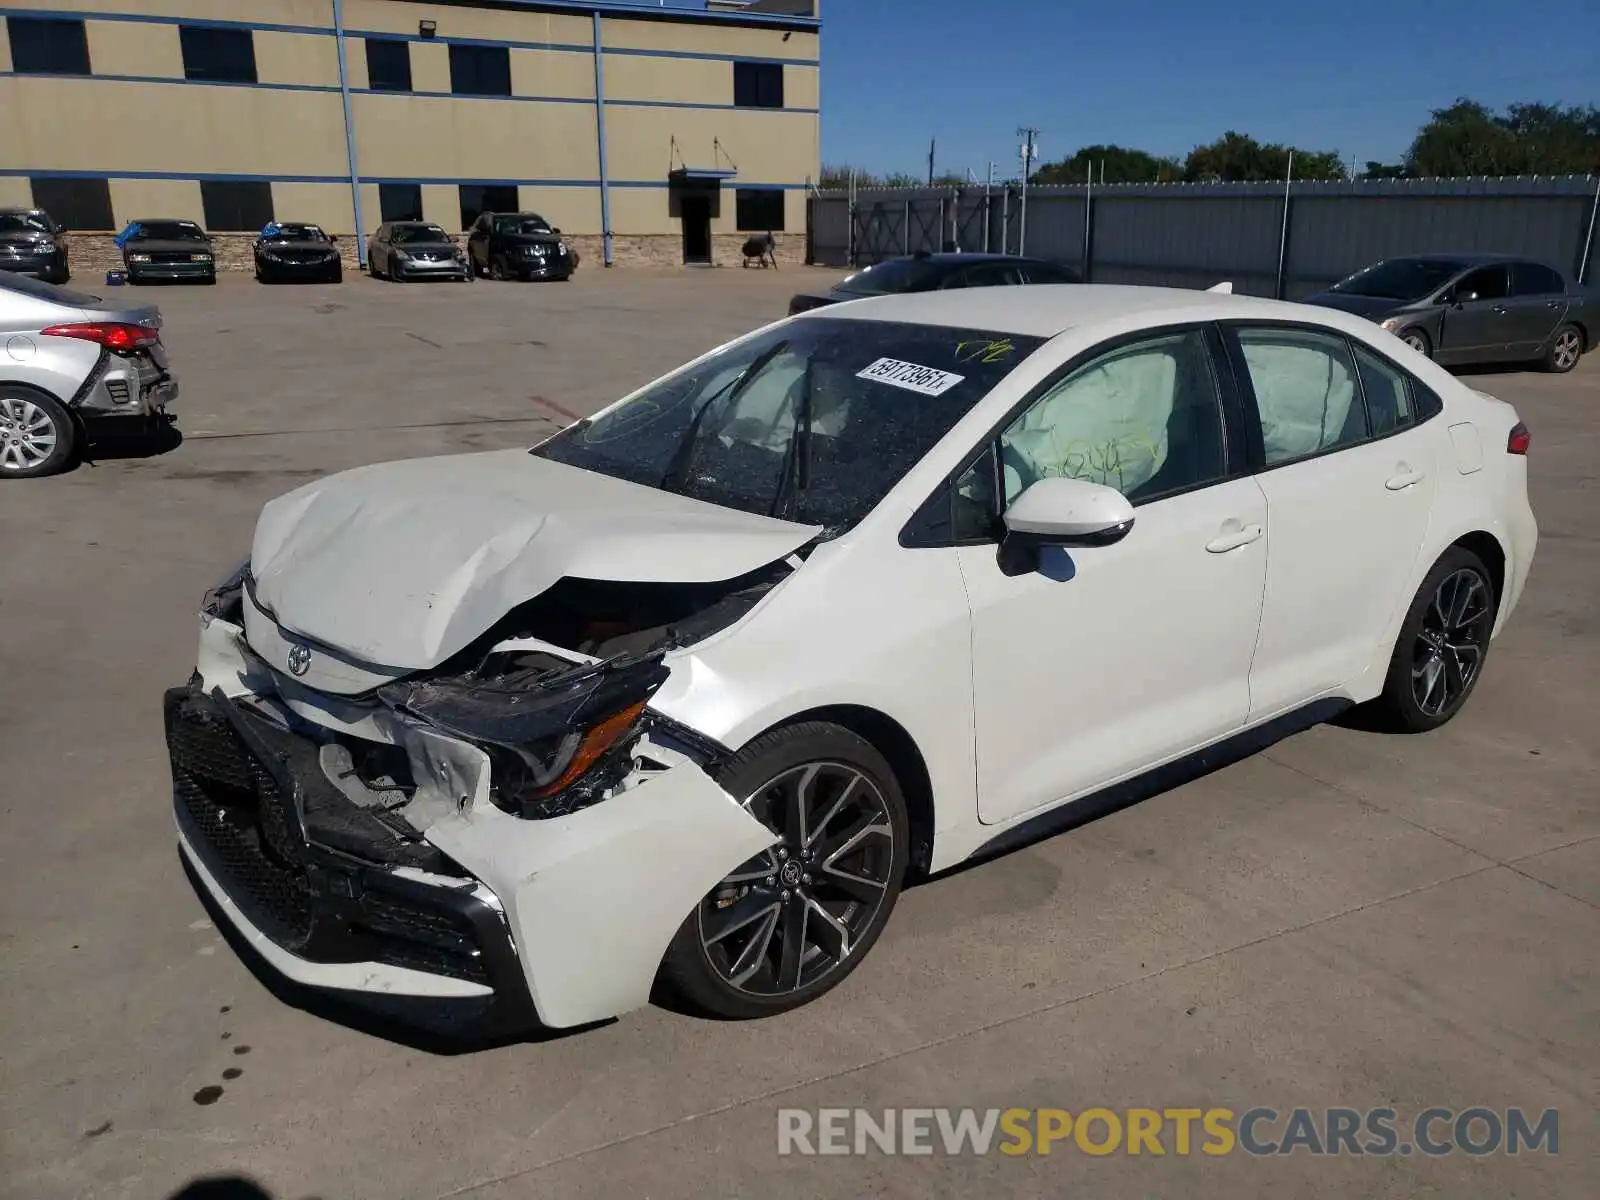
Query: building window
{"points": [[218, 55], [758, 85], [478, 198], [480, 70], [236, 205], [400, 201], [388, 65], [74, 203], [759, 210], [47, 46]]}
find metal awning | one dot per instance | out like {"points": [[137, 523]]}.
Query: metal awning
{"points": [[699, 174]]}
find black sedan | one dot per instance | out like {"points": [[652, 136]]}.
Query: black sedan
{"points": [[31, 243], [409, 250], [935, 272], [1474, 308], [293, 250], [163, 249], [519, 246]]}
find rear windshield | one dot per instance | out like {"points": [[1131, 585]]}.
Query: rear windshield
{"points": [[896, 275], [812, 422], [1401, 278], [41, 290], [167, 231]]}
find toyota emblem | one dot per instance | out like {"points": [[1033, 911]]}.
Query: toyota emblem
{"points": [[299, 658]]}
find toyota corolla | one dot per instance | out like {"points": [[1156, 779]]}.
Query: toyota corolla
{"points": [[681, 696]]}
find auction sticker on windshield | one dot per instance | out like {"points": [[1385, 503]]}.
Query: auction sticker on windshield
{"points": [[910, 376]]}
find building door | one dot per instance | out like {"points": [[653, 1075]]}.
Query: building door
{"points": [[696, 213]]}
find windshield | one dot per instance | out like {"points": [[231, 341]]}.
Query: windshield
{"points": [[405, 235], [295, 233], [167, 231], [23, 223], [1400, 278], [521, 224], [812, 422], [41, 290], [896, 275]]}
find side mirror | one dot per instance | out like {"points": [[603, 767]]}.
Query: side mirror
{"points": [[333, 239], [555, 229], [1062, 512], [1465, 298]]}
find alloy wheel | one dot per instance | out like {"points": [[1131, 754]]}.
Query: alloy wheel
{"points": [[791, 916], [1417, 342], [1567, 348], [27, 434], [1450, 645]]}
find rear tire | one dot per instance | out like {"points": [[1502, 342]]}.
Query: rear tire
{"points": [[793, 922], [37, 434], [1566, 347], [1443, 645]]}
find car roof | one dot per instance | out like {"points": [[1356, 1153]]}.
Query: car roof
{"points": [[958, 257], [1044, 310], [13, 209], [165, 221]]}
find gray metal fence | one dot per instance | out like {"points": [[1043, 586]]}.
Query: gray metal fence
{"points": [[1266, 239]]}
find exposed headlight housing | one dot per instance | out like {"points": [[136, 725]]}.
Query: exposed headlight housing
{"points": [[550, 729], [226, 599]]}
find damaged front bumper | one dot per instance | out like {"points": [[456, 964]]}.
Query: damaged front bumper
{"points": [[449, 900]]}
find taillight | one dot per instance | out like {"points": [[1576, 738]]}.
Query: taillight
{"points": [[1520, 439], [114, 335]]}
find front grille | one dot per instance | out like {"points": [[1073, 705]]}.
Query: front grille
{"points": [[168, 256], [307, 899], [236, 809]]}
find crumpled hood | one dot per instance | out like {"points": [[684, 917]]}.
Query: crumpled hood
{"points": [[403, 564]]}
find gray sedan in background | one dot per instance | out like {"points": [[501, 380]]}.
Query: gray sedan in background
{"points": [[405, 250], [73, 363], [1474, 308]]}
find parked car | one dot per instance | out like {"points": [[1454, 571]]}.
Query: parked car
{"points": [[294, 250], [77, 364], [680, 695], [1474, 308], [934, 272], [407, 250], [164, 248], [31, 243], [519, 246]]}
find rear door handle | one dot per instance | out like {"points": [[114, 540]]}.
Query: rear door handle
{"points": [[1400, 482], [1233, 539], [1555, 304]]}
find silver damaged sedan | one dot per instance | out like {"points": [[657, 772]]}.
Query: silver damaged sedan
{"points": [[73, 363]]}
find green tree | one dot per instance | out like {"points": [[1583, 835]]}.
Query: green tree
{"points": [[1115, 164], [1468, 138], [1237, 157], [1378, 170]]}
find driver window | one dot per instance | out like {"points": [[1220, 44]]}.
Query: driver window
{"points": [[1145, 418], [1489, 283]]}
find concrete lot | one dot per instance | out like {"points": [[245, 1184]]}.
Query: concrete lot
{"points": [[1346, 919]]}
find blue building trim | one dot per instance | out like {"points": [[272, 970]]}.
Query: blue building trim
{"points": [[452, 181], [332, 88]]}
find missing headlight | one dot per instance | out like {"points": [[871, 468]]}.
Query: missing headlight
{"points": [[555, 741]]}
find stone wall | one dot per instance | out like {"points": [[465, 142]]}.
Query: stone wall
{"points": [[92, 254]]}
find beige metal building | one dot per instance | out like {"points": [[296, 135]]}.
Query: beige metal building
{"points": [[677, 132]]}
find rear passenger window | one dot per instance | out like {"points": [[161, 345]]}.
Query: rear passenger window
{"points": [[1534, 279], [1388, 394], [1305, 387]]}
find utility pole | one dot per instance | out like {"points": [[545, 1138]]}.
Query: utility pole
{"points": [[1029, 151], [932, 145]]}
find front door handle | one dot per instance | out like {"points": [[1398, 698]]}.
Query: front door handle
{"points": [[1400, 482], [1235, 538], [1554, 304], [1500, 309]]}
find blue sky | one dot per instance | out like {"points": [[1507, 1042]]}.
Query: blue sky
{"points": [[1354, 76]]}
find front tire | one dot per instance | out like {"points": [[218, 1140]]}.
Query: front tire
{"points": [[1418, 341], [795, 920], [37, 435], [1443, 644], [1565, 350]]}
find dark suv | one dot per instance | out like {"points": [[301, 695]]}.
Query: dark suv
{"points": [[31, 243], [519, 246]]}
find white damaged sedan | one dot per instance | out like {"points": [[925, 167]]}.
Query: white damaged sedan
{"points": [[680, 697]]}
